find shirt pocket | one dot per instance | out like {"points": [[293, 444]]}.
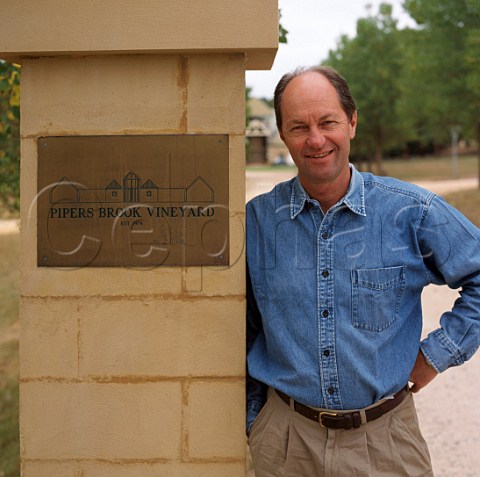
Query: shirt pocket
{"points": [[376, 295]]}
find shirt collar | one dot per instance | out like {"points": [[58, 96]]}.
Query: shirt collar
{"points": [[354, 199]]}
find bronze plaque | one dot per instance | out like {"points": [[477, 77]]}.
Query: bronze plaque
{"points": [[137, 201]]}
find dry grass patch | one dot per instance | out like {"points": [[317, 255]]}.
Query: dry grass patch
{"points": [[468, 202]]}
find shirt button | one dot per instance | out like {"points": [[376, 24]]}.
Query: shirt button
{"points": [[330, 390], [326, 353], [325, 274], [324, 236], [325, 313]]}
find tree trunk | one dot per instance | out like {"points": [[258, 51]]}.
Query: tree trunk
{"points": [[378, 159], [370, 163]]}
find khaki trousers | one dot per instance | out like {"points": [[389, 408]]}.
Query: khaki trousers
{"points": [[287, 444]]}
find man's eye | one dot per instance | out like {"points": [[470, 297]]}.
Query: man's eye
{"points": [[299, 128], [328, 123]]}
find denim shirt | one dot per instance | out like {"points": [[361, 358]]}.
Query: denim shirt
{"points": [[334, 315]]}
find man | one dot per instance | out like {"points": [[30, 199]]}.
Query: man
{"points": [[337, 261]]}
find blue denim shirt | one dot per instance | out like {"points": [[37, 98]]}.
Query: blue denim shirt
{"points": [[334, 313]]}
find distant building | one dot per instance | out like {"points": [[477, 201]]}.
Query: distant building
{"points": [[265, 145]]}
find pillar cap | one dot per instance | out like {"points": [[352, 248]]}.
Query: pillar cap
{"points": [[52, 28]]}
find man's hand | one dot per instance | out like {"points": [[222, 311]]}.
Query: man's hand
{"points": [[421, 374]]}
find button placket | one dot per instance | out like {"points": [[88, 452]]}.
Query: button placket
{"points": [[327, 360]]}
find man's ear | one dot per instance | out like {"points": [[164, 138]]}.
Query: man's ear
{"points": [[353, 125]]}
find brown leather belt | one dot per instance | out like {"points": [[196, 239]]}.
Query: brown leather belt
{"points": [[345, 420]]}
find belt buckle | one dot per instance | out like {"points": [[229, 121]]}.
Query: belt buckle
{"points": [[325, 413]]}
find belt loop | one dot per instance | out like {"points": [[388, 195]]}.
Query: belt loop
{"points": [[356, 420], [363, 416], [292, 404]]}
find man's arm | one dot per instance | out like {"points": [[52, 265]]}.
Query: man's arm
{"points": [[450, 246]]}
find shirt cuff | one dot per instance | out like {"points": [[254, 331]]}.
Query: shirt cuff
{"points": [[441, 352]]}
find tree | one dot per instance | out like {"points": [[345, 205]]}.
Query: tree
{"points": [[450, 65], [415, 103], [371, 63], [9, 135]]}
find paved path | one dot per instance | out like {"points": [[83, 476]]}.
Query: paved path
{"points": [[8, 226], [445, 187]]}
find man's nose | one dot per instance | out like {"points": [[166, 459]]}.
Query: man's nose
{"points": [[316, 138]]}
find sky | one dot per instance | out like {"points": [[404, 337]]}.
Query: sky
{"points": [[314, 27]]}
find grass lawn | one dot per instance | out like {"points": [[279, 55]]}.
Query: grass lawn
{"points": [[9, 435], [468, 202], [433, 168], [414, 169], [9, 251]]}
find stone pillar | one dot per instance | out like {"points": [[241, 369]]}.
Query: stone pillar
{"points": [[134, 372]]}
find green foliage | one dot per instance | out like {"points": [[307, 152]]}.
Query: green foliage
{"points": [[282, 33], [444, 13], [446, 59], [370, 62], [472, 57], [413, 86], [9, 136], [415, 103]]}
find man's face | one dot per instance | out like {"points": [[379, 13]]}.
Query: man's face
{"points": [[316, 131]]}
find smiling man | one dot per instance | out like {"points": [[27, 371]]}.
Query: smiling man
{"points": [[337, 261], [317, 132]]}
